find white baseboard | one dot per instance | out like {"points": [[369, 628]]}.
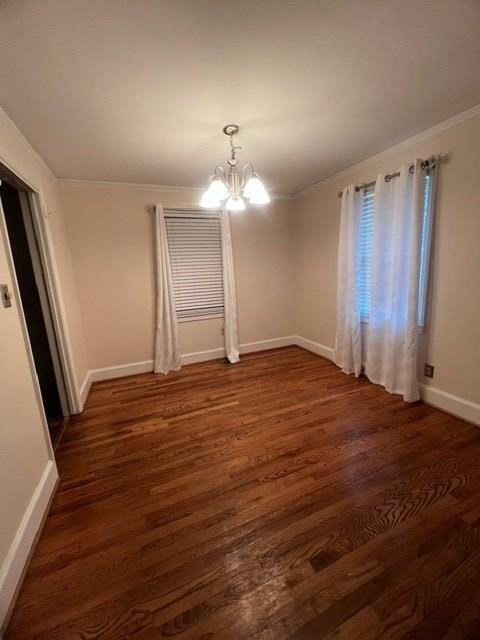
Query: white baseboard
{"points": [[202, 356], [120, 370], [269, 343], [246, 347], [84, 390], [109, 373], [459, 407], [443, 400], [132, 368], [314, 347], [12, 569]]}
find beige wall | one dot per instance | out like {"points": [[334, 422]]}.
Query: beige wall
{"points": [[285, 258], [111, 236], [19, 156], [453, 332], [25, 471], [286, 261], [24, 452]]}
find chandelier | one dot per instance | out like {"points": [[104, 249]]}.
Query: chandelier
{"points": [[232, 187]]}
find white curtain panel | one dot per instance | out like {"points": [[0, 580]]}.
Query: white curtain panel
{"points": [[348, 349], [167, 352], [392, 331], [229, 291]]}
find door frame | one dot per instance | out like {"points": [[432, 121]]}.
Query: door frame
{"points": [[40, 272], [39, 218]]}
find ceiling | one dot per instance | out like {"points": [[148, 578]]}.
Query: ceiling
{"points": [[138, 90]]}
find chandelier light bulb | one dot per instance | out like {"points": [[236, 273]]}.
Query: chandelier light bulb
{"points": [[235, 204], [207, 201], [218, 189], [254, 188]]}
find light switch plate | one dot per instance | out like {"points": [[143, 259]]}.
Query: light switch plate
{"points": [[5, 295]]}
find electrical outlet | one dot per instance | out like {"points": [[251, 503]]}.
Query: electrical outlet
{"points": [[428, 371]]}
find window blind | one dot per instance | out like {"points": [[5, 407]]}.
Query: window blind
{"points": [[195, 247], [366, 246]]}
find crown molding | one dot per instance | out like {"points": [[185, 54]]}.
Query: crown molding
{"points": [[128, 185], [165, 188], [398, 146]]}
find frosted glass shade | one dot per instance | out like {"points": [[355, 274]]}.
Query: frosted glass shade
{"points": [[218, 189], [207, 201], [235, 204], [255, 191]]}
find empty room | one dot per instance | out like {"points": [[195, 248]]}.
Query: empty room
{"points": [[239, 319]]}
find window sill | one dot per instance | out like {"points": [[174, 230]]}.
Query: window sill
{"points": [[195, 318]]}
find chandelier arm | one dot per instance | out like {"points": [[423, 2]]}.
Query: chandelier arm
{"points": [[221, 170], [245, 167]]}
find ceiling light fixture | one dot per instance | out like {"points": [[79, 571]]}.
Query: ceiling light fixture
{"points": [[234, 186]]}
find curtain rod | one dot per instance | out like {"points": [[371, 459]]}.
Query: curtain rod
{"points": [[427, 164], [151, 208]]}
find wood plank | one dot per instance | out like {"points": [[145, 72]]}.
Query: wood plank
{"points": [[275, 499]]}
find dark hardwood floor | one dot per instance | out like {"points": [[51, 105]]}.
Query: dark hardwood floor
{"points": [[274, 499]]}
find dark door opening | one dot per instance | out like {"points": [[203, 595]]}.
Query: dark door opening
{"points": [[40, 332]]}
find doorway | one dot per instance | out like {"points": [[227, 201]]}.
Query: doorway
{"points": [[30, 275]]}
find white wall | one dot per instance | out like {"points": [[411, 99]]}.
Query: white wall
{"points": [[453, 331], [111, 236]]}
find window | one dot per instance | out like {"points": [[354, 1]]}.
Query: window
{"points": [[195, 247], [366, 247], [425, 249]]}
